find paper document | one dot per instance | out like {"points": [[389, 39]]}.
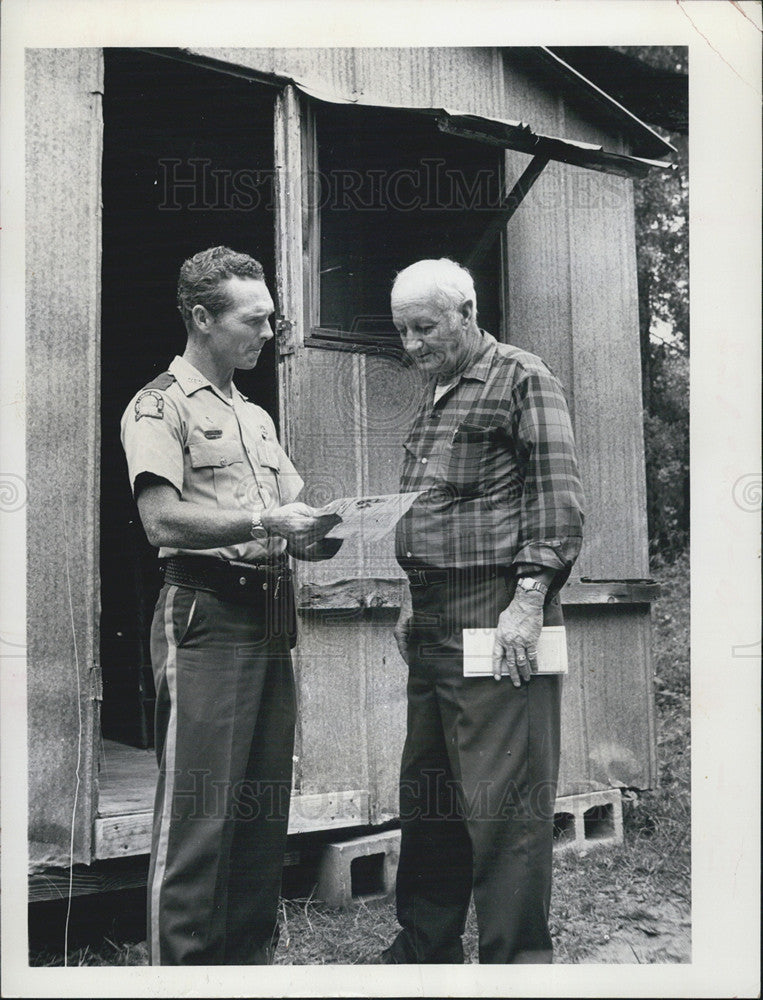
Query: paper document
{"points": [[371, 517], [478, 651]]}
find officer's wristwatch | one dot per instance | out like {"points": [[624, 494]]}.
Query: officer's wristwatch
{"points": [[528, 583], [258, 529]]}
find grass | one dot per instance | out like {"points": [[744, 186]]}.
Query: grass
{"points": [[633, 898]]}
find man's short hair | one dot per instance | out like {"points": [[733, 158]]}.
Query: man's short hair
{"points": [[201, 277], [452, 282]]}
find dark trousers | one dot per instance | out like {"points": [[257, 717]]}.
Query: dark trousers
{"points": [[477, 788], [225, 713]]}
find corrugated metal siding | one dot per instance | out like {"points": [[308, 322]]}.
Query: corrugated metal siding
{"points": [[63, 239]]}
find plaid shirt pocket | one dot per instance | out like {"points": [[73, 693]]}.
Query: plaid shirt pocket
{"points": [[469, 458]]}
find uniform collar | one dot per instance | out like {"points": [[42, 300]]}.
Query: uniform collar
{"points": [[188, 378], [191, 380]]}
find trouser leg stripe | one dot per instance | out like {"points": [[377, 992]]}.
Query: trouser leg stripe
{"points": [[162, 843]]}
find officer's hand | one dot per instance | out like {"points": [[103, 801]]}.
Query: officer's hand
{"points": [[516, 636], [298, 523], [402, 631]]}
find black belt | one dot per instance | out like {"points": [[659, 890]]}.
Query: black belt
{"points": [[432, 576], [249, 582], [427, 577]]}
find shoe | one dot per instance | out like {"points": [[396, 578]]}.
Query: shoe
{"points": [[452, 954]]}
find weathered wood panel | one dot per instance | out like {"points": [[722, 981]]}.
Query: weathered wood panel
{"points": [[607, 375], [385, 713], [63, 240], [608, 723], [539, 306]]}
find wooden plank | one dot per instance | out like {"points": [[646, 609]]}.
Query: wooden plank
{"points": [[126, 780], [64, 132], [610, 592], [375, 592], [328, 811], [106, 876], [130, 835], [123, 836]]}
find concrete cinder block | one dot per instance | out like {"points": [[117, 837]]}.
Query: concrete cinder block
{"points": [[588, 820], [335, 873], [591, 819]]}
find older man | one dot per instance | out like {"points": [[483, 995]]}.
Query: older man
{"points": [[215, 493], [489, 545]]}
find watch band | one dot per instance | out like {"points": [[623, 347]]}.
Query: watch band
{"points": [[258, 530], [528, 583]]}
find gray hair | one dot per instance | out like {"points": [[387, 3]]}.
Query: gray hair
{"points": [[451, 283]]}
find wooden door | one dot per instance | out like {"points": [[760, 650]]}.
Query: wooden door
{"points": [[347, 223]]}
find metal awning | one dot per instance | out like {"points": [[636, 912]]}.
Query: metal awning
{"points": [[513, 135]]}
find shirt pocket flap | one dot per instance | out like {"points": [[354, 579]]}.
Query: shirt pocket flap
{"points": [[268, 454], [215, 453], [474, 433]]}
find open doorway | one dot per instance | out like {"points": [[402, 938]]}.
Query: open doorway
{"points": [[187, 164]]}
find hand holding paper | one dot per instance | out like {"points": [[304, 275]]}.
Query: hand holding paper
{"points": [[371, 517]]}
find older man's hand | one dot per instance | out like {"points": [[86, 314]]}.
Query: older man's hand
{"points": [[516, 636]]}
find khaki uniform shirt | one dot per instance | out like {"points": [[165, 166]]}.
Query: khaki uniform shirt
{"points": [[217, 452]]}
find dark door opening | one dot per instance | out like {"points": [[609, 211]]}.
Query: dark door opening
{"points": [[187, 164]]}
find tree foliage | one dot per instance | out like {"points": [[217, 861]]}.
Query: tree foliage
{"points": [[662, 235]]}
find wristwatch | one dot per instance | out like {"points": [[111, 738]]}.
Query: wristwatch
{"points": [[528, 583], [258, 530]]}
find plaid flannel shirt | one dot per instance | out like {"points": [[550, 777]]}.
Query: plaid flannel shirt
{"points": [[497, 456]]}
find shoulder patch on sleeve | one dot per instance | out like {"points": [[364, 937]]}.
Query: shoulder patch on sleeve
{"points": [[149, 403]]}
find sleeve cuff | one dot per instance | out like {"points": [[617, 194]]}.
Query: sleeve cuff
{"points": [[547, 555]]}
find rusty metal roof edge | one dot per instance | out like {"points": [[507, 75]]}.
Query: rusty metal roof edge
{"points": [[607, 99], [518, 136]]}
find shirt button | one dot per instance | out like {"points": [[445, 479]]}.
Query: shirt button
{"points": [[408, 555], [223, 461], [264, 586], [423, 461], [242, 581]]}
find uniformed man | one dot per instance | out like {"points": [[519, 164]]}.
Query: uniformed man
{"points": [[488, 546], [216, 493]]}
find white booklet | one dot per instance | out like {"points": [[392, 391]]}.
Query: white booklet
{"points": [[478, 651], [371, 517]]}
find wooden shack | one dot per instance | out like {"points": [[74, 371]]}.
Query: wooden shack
{"points": [[334, 167]]}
